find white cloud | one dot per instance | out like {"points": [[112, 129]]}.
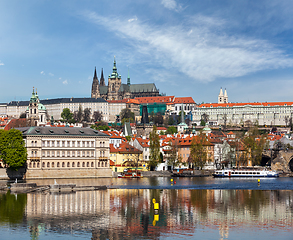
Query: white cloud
{"points": [[42, 72], [132, 19], [65, 82], [1, 63], [206, 54], [60, 78], [51, 74], [170, 4]]}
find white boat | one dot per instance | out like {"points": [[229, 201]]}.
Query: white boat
{"points": [[245, 173]]}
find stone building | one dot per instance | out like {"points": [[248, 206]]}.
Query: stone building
{"points": [[116, 90], [66, 152]]}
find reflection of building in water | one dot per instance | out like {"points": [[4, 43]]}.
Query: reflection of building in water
{"points": [[120, 213], [68, 204]]}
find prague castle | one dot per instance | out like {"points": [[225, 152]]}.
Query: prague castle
{"points": [[116, 90]]}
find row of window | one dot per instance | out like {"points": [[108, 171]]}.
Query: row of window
{"points": [[68, 154], [63, 164], [68, 144]]}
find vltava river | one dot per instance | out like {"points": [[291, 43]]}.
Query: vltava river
{"points": [[212, 209]]}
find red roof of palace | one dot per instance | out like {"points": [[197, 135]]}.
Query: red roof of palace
{"points": [[159, 99], [184, 100], [124, 148]]}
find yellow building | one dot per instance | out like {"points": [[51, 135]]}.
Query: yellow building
{"points": [[126, 156]]}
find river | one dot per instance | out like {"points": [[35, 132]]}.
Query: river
{"points": [[201, 208]]}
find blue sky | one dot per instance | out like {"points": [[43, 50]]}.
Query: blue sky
{"points": [[187, 48]]}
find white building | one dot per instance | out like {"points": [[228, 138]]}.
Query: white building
{"points": [[233, 114]]}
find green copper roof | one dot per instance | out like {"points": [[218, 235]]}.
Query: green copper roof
{"points": [[114, 74]]}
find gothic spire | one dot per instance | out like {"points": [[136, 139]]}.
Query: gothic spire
{"points": [[102, 80], [95, 74], [128, 78]]}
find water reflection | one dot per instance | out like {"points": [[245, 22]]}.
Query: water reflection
{"points": [[129, 213]]}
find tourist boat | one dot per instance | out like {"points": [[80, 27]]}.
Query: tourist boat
{"points": [[130, 174], [245, 173]]}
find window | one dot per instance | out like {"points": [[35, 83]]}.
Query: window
{"points": [[63, 164], [87, 164], [88, 144], [83, 164], [58, 154], [43, 143], [78, 153], [73, 144], [73, 164], [68, 164], [53, 143], [43, 164], [87, 153], [73, 154], [68, 153], [83, 153], [48, 153], [32, 143], [58, 164], [68, 143], [92, 164], [53, 153], [78, 164], [48, 143], [48, 164], [52, 164], [92, 154], [78, 143], [63, 143], [63, 153], [83, 143]]}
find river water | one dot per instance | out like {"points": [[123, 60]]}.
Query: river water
{"points": [[193, 208]]}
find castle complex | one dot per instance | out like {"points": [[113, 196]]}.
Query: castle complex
{"points": [[116, 90]]}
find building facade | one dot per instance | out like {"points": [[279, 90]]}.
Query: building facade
{"points": [[66, 152]]}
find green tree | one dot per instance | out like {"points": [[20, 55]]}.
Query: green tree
{"points": [[66, 114], [154, 148], [173, 157], [198, 151], [171, 130], [126, 116], [101, 126], [87, 115], [12, 148], [254, 144]]}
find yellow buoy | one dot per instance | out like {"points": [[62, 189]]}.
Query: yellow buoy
{"points": [[171, 179], [156, 217], [258, 180], [156, 206]]}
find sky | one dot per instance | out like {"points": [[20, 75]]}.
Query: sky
{"points": [[186, 47]]}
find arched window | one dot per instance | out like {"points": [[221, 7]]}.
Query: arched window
{"points": [[99, 164], [48, 164], [30, 165], [63, 164], [52, 164], [43, 164], [113, 87], [34, 165], [87, 164], [58, 164], [92, 164], [83, 164], [102, 165], [78, 164], [68, 164], [105, 164], [35, 143], [32, 143], [73, 164]]}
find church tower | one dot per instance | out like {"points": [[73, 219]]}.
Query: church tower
{"points": [[32, 113], [114, 83], [223, 98], [95, 86]]}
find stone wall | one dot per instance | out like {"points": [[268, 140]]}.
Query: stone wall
{"points": [[68, 173], [281, 162]]}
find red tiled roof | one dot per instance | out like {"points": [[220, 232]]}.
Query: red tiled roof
{"points": [[124, 148], [15, 123], [160, 99], [184, 100]]}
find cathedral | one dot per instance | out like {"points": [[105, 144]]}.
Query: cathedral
{"points": [[116, 90]]}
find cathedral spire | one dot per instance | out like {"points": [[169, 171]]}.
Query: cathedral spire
{"points": [[102, 80], [128, 78], [95, 74]]}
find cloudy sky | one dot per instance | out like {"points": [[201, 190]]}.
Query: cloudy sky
{"points": [[186, 47]]}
